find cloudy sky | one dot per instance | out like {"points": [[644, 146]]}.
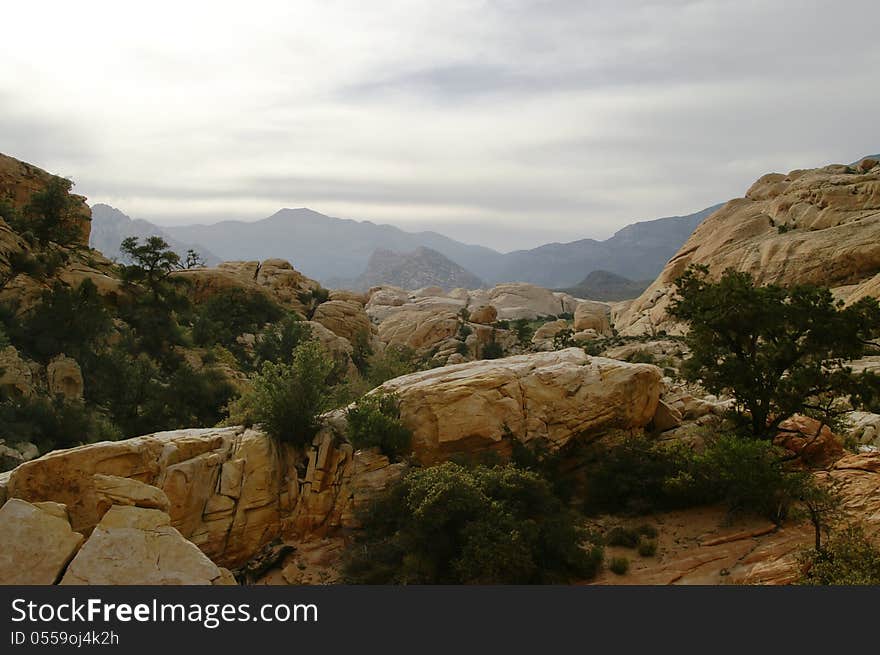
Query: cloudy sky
{"points": [[507, 122]]}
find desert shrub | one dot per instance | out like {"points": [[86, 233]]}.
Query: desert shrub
{"points": [[456, 525], [647, 530], [848, 558], [53, 423], [563, 339], [374, 421], [619, 565], [647, 547], [462, 348], [524, 331], [492, 350], [207, 393], [361, 352], [395, 361], [286, 399], [231, 313], [620, 536], [278, 341], [640, 476]]}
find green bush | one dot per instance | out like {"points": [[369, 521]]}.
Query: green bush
{"points": [[374, 421], [48, 214], [492, 350], [449, 524], [53, 423], [619, 565], [620, 536], [563, 339], [848, 558], [230, 313], [395, 361], [286, 399], [640, 476], [70, 321], [647, 547], [278, 342]]}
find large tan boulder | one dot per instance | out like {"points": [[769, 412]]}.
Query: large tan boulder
{"points": [[36, 543], [484, 315], [336, 345], [819, 226], [344, 318], [592, 315], [418, 328], [549, 397], [138, 546], [514, 300], [64, 378]]}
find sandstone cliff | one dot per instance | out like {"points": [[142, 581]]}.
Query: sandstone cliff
{"points": [[819, 226]]}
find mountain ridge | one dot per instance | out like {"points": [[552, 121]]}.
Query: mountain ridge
{"points": [[337, 250]]}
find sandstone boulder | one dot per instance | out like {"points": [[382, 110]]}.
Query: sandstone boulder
{"points": [[418, 329], [16, 377], [344, 318], [114, 490], [550, 397], [514, 300], [36, 543], [591, 315], [484, 315], [64, 378], [138, 546], [802, 435]]}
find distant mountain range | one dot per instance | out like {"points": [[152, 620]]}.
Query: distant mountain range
{"points": [[337, 251], [110, 227], [610, 287]]}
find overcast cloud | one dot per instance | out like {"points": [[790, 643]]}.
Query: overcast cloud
{"points": [[509, 122]]}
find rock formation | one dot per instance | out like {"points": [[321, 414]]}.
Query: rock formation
{"points": [[819, 226], [550, 397]]}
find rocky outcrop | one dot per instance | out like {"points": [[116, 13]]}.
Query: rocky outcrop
{"points": [[274, 277], [16, 376], [548, 397], [36, 542], [19, 181], [138, 546], [344, 318], [64, 378], [230, 491], [819, 226], [418, 328], [484, 315]]}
